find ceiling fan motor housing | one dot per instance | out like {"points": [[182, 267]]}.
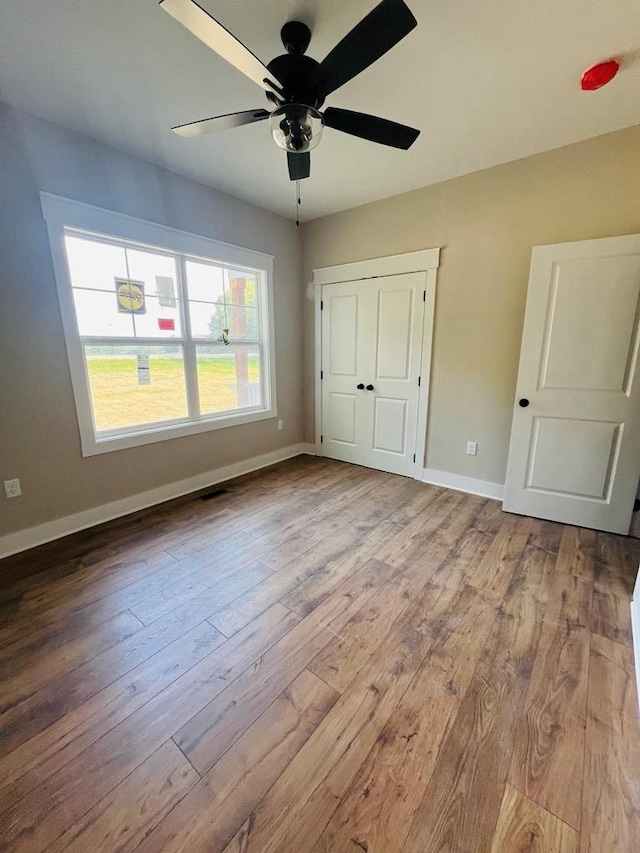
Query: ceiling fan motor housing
{"points": [[295, 37], [294, 71]]}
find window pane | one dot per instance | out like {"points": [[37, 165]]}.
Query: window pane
{"points": [[228, 377], [242, 322], [158, 273], [98, 314], [209, 320], [243, 288], [158, 321], [93, 264], [205, 282], [131, 386], [147, 265]]}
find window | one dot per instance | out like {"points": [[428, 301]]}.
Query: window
{"points": [[167, 333]]}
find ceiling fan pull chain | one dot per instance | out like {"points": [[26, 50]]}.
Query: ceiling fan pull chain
{"points": [[297, 204]]}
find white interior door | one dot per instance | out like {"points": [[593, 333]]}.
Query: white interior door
{"points": [[575, 441], [371, 355]]}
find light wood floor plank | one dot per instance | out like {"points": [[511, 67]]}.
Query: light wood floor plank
{"points": [[41, 670], [150, 529], [614, 577], [265, 512], [412, 538], [122, 819], [13, 656], [295, 812], [460, 807], [213, 811], [546, 535], [347, 652], [452, 550], [21, 623], [64, 694], [353, 661], [524, 826], [334, 563], [611, 787], [549, 743], [214, 729], [46, 812], [376, 812], [211, 586], [578, 552], [494, 572], [443, 529], [337, 535], [38, 759], [611, 612]]}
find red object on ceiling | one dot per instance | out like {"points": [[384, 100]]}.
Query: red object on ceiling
{"points": [[599, 75]]}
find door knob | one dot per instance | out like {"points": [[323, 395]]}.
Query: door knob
{"points": [[369, 387], [360, 386], [523, 402]]}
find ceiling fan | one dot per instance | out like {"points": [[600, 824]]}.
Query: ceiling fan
{"points": [[296, 85]]}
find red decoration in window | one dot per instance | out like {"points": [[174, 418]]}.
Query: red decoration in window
{"points": [[167, 324], [599, 75]]}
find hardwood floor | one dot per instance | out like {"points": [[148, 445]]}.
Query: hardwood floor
{"points": [[321, 658]]}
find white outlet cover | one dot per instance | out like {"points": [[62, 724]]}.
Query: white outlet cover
{"points": [[12, 488], [472, 448]]}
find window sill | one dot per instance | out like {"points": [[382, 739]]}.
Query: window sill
{"points": [[107, 444]]}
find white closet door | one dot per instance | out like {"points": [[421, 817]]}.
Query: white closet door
{"points": [[372, 337]]}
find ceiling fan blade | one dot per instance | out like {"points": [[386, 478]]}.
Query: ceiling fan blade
{"points": [[374, 129], [218, 38], [299, 165], [387, 24], [225, 122]]}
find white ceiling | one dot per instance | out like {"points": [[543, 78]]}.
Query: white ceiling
{"points": [[487, 81]]}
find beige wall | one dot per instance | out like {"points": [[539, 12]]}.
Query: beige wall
{"points": [[487, 224], [39, 441]]}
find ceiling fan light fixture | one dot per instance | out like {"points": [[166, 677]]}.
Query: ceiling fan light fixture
{"points": [[296, 128]]}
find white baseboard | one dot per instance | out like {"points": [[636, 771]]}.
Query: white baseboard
{"points": [[484, 488], [12, 543], [635, 630]]}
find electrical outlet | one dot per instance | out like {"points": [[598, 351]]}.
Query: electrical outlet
{"points": [[12, 488], [472, 448], [280, 425]]}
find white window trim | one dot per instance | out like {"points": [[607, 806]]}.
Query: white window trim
{"points": [[60, 213]]}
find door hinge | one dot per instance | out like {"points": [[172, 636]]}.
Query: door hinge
{"points": [[414, 457], [322, 305], [424, 295], [322, 374], [419, 379], [321, 439]]}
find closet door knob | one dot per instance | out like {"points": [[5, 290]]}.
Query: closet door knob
{"points": [[523, 402], [369, 387], [360, 386]]}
